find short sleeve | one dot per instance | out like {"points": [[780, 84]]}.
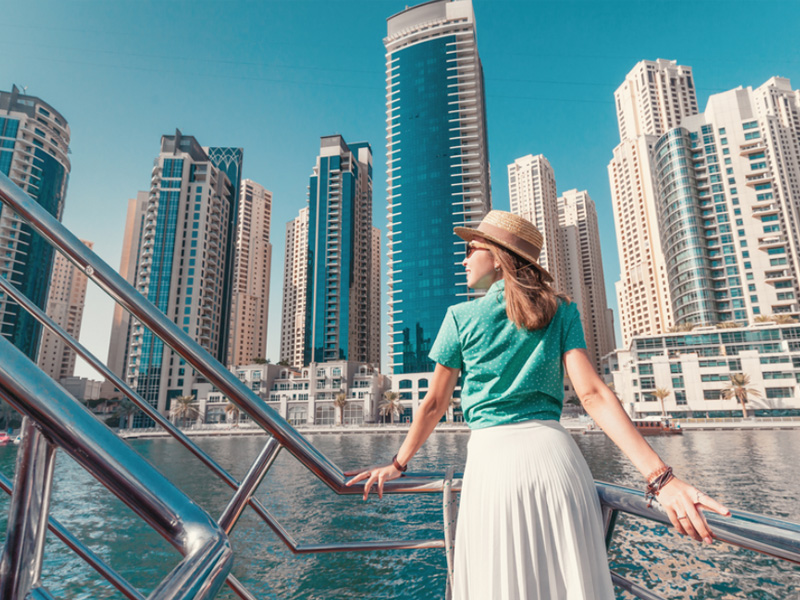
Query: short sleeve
{"points": [[573, 329], [446, 349]]}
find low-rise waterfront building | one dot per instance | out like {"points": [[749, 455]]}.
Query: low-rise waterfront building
{"points": [[696, 366], [306, 396], [82, 388]]}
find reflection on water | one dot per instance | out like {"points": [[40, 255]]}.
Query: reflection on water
{"points": [[748, 470]]}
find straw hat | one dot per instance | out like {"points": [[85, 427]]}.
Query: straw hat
{"points": [[512, 232]]}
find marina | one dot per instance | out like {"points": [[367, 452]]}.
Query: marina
{"points": [[747, 469], [204, 459]]}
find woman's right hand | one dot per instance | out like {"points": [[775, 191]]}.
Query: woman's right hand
{"points": [[380, 474]]}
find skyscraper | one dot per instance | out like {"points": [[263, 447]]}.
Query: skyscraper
{"points": [[34, 147], [185, 240], [119, 344], [533, 196], [582, 271], [229, 161], [339, 297], [655, 96], [65, 304], [295, 272], [251, 280], [437, 166], [728, 182]]}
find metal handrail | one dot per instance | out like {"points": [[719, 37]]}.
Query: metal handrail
{"points": [[70, 425], [771, 536]]}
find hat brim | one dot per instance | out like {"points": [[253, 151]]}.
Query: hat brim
{"points": [[469, 234]]}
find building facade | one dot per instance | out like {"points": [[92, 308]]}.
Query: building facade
{"points": [[655, 96], [582, 271], [533, 196], [119, 343], [729, 183], [339, 297], [695, 367], [65, 303], [295, 274], [253, 265], [306, 396], [181, 268], [34, 148], [437, 166]]}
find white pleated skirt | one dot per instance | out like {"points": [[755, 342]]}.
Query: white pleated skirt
{"points": [[529, 523]]}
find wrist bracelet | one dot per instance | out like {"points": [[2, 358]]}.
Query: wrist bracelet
{"points": [[655, 486], [398, 466], [656, 473]]}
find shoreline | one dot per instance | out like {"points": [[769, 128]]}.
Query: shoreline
{"points": [[571, 425]]}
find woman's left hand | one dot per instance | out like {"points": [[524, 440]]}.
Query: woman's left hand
{"points": [[683, 504]]}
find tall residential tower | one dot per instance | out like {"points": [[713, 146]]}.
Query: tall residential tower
{"points": [[182, 267], [65, 304], [34, 148], [119, 343], [655, 96], [252, 273], [437, 169], [339, 297], [533, 196], [582, 271], [295, 272], [729, 184]]}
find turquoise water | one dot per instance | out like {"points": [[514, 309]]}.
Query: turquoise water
{"points": [[749, 470]]}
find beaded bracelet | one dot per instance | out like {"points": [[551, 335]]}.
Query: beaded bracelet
{"points": [[656, 473], [655, 486]]}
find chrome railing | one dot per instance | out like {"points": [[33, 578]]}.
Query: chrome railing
{"points": [[55, 419]]}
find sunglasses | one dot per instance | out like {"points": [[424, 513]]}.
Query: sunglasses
{"points": [[471, 249]]}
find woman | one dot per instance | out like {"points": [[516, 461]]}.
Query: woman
{"points": [[529, 524]]}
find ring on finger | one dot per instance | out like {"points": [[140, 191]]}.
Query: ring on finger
{"points": [[683, 517]]}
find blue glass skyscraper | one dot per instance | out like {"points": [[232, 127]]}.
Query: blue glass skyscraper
{"points": [[339, 294], [437, 169], [34, 143]]}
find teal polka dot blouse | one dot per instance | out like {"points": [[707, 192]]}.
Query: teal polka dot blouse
{"points": [[509, 374]]}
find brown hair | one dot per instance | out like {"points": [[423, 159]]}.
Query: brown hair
{"points": [[530, 302]]}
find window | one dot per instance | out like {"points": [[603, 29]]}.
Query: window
{"points": [[297, 415]]}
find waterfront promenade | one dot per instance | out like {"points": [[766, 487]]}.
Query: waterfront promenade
{"points": [[572, 425]]}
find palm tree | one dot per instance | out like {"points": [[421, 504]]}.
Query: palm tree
{"points": [[783, 319], [340, 402], [390, 406], [763, 318], [183, 408], [232, 413], [661, 394], [126, 408], [738, 389]]}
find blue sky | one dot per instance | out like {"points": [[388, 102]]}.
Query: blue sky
{"points": [[273, 76]]}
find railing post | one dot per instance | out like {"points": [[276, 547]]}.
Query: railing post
{"points": [[249, 485], [21, 564]]}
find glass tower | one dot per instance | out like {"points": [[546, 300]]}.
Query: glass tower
{"points": [[182, 268], [34, 143], [229, 161], [339, 297], [437, 169]]}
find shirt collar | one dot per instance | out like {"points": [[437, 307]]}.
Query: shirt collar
{"points": [[497, 287]]}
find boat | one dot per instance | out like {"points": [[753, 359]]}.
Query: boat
{"points": [[657, 425], [4, 439]]}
